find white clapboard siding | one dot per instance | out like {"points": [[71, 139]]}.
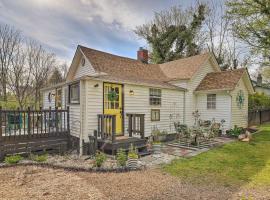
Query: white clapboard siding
{"points": [[171, 109], [222, 111], [87, 69], [240, 116], [46, 102], [191, 85]]}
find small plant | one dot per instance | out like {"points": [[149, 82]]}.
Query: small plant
{"points": [[100, 159], [236, 131], [132, 153], [121, 158], [39, 158], [13, 159]]}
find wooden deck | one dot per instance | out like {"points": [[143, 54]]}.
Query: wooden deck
{"points": [[122, 142]]}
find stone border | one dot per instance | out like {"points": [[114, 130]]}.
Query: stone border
{"points": [[71, 169]]}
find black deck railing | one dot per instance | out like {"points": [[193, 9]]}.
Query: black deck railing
{"points": [[106, 127], [26, 124], [135, 125]]}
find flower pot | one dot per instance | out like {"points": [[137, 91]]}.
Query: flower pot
{"points": [[157, 148], [132, 163]]}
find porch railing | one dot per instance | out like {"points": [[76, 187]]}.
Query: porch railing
{"points": [[135, 125], [26, 124], [106, 127]]}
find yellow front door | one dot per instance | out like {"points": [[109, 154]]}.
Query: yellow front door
{"points": [[113, 103]]}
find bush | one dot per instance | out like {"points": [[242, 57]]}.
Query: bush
{"points": [[121, 158], [100, 159], [236, 131], [13, 159], [132, 153], [39, 158], [258, 101]]}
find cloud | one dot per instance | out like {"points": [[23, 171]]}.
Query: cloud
{"points": [[60, 25]]}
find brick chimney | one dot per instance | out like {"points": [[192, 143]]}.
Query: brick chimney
{"points": [[142, 55], [259, 79]]}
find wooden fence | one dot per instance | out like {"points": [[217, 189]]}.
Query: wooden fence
{"points": [[258, 117], [29, 130]]}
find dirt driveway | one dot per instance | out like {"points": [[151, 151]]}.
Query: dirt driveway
{"points": [[42, 183]]}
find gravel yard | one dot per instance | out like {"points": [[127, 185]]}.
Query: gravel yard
{"points": [[33, 182]]}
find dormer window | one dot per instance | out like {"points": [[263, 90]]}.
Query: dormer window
{"points": [[83, 62]]}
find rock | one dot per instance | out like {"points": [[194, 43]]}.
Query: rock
{"points": [[241, 136], [248, 135], [245, 140]]}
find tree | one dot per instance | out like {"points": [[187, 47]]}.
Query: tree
{"points": [[20, 78], [10, 40], [173, 33], [56, 77], [41, 63], [251, 23]]}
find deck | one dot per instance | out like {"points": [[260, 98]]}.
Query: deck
{"points": [[109, 142], [122, 142]]}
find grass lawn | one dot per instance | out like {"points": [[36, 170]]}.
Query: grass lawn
{"points": [[235, 163]]}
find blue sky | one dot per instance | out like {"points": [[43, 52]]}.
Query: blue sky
{"points": [[60, 25]]}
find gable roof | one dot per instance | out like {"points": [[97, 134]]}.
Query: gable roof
{"points": [[115, 67], [184, 68], [224, 80]]}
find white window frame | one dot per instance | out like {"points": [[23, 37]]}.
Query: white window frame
{"points": [[76, 99], [155, 95], [211, 101]]}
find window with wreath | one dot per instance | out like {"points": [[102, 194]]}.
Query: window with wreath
{"points": [[74, 93], [211, 101], [155, 115], [155, 96]]}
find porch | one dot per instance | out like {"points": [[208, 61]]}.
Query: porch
{"points": [[109, 142]]}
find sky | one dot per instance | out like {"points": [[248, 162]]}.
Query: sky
{"points": [[106, 25]]}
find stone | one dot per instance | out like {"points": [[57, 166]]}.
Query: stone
{"points": [[248, 135], [241, 136], [245, 140]]}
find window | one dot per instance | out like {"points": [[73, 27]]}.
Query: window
{"points": [[74, 93], [155, 115], [155, 96], [211, 101]]}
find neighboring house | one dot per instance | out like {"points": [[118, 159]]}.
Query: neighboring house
{"points": [[102, 83], [260, 87]]}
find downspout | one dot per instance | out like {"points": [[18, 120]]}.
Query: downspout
{"points": [[184, 107], [82, 84]]}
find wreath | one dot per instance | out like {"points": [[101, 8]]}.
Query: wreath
{"points": [[112, 96], [240, 99]]}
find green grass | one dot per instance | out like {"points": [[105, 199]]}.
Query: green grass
{"points": [[233, 163]]}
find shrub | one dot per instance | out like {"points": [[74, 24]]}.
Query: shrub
{"points": [[132, 153], [100, 159], [121, 157], [236, 131], [39, 158], [13, 159]]}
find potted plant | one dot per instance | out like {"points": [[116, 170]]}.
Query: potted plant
{"points": [[156, 146], [132, 158]]}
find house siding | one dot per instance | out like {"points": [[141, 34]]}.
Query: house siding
{"points": [[87, 69], [171, 109], [222, 111], [191, 85], [240, 116]]}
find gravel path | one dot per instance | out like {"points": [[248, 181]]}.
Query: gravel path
{"points": [[39, 183]]}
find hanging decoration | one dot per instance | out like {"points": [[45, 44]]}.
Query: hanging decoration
{"points": [[112, 96], [240, 99]]}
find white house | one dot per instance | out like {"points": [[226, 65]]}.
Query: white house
{"points": [[102, 83]]}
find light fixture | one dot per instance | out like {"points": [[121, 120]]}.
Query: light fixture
{"points": [[131, 92], [96, 85]]}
